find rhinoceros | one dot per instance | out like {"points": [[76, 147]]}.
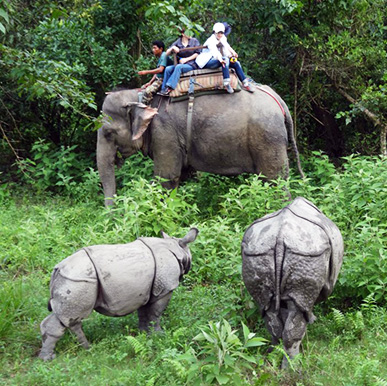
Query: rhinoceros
{"points": [[290, 261], [115, 280]]}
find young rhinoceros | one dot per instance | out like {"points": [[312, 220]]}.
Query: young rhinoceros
{"points": [[114, 280], [290, 262]]}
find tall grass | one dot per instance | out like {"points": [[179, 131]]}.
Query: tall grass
{"points": [[38, 229]]}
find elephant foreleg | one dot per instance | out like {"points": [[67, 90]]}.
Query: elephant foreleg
{"points": [[151, 313], [168, 164], [106, 154]]}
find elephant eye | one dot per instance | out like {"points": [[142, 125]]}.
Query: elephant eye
{"points": [[109, 131]]}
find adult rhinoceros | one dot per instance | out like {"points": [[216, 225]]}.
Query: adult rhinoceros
{"points": [[290, 261], [230, 134]]}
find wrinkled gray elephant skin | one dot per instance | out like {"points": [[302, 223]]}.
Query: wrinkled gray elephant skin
{"points": [[114, 280], [230, 134], [290, 262]]}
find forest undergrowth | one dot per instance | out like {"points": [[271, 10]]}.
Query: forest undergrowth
{"points": [[213, 332]]}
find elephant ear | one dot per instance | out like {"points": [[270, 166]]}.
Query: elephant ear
{"points": [[141, 116]]}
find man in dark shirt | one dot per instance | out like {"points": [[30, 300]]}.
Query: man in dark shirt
{"points": [[155, 83], [186, 61]]}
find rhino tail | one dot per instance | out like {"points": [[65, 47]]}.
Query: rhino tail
{"points": [[55, 273], [279, 256]]}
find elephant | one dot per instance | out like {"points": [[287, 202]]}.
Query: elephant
{"points": [[230, 134], [290, 261], [114, 280]]}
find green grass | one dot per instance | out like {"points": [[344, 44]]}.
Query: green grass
{"points": [[345, 346]]}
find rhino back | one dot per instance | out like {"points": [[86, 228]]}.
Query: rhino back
{"points": [[301, 207], [285, 257], [125, 274]]}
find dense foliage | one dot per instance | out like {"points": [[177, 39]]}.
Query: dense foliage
{"points": [[58, 59], [214, 333]]}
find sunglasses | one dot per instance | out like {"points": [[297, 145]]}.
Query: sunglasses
{"points": [[220, 32]]}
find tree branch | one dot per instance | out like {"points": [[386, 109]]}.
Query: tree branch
{"points": [[374, 118]]}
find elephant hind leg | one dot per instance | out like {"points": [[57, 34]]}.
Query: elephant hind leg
{"points": [[294, 331], [52, 330], [151, 313], [77, 330]]}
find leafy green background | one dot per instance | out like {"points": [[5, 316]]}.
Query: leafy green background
{"points": [[327, 59]]}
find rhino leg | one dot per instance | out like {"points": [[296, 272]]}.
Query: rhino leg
{"points": [[52, 330], [77, 330], [151, 313], [274, 325], [294, 331]]}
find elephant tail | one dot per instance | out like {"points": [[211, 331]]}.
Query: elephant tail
{"points": [[290, 129]]}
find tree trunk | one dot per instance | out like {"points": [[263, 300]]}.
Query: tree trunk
{"points": [[333, 137], [373, 117]]}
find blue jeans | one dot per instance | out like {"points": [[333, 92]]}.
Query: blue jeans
{"points": [[238, 69], [214, 63], [172, 75]]}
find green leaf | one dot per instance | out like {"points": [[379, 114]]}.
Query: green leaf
{"points": [[4, 15], [255, 342], [222, 379], [170, 8]]}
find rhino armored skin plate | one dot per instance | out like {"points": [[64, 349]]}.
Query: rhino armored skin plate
{"points": [[290, 261]]}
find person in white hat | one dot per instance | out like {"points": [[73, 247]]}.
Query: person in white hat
{"points": [[217, 54]]}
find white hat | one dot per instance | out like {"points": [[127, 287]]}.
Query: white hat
{"points": [[218, 27]]}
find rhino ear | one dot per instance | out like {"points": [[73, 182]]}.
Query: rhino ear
{"points": [[189, 237], [141, 117]]}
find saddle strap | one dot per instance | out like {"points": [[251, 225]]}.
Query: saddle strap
{"points": [[189, 124]]}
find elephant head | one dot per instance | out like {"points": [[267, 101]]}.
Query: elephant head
{"points": [[126, 125], [122, 131]]}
